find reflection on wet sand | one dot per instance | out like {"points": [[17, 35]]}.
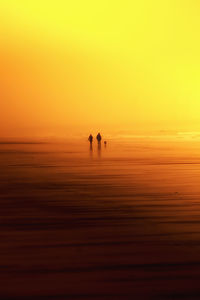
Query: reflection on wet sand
{"points": [[91, 150], [123, 227], [99, 149]]}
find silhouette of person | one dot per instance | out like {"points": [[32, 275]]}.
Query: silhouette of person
{"points": [[105, 144], [98, 137], [90, 139]]}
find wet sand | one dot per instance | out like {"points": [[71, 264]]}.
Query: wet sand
{"points": [[121, 222]]}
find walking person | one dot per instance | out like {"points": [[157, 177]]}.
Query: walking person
{"points": [[98, 137], [90, 139]]}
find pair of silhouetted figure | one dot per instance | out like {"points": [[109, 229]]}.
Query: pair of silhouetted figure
{"points": [[98, 137]]}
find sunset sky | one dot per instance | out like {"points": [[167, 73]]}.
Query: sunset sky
{"points": [[76, 66]]}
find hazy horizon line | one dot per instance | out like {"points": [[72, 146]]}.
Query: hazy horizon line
{"points": [[160, 134]]}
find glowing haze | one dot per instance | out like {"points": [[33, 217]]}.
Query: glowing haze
{"points": [[72, 66]]}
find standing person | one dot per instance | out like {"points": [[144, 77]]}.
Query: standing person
{"points": [[90, 139], [98, 137]]}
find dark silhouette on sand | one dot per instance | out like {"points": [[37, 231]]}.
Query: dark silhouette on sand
{"points": [[105, 144], [98, 137], [90, 139]]}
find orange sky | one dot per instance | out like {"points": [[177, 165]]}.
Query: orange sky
{"points": [[108, 65]]}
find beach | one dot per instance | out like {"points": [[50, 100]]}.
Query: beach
{"points": [[117, 222]]}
